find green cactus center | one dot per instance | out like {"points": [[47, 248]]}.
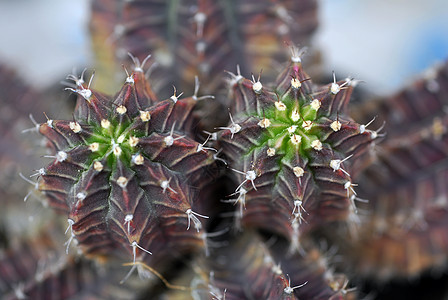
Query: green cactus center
{"points": [[114, 140], [291, 127]]}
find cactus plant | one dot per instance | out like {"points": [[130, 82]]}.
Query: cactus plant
{"points": [[295, 152], [124, 169]]}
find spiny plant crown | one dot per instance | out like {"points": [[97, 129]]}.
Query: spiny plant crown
{"points": [[291, 125], [289, 147], [126, 170]]}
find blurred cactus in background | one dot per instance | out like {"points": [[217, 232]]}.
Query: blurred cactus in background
{"points": [[209, 185]]}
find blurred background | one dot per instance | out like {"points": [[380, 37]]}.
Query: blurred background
{"points": [[382, 42]]}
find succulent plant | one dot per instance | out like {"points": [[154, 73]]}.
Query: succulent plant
{"points": [[198, 37], [294, 150], [125, 171]]}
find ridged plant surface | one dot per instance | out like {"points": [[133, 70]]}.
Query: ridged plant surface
{"points": [[126, 172], [265, 273], [294, 151], [199, 37], [406, 229]]}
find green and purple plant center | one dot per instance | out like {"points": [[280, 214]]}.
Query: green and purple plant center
{"points": [[291, 128], [114, 140]]}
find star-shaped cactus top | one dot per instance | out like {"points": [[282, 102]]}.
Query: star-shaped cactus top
{"points": [[126, 169], [293, 149]]}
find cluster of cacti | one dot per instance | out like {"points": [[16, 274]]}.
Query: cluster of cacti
{"points": [[125, 170], [236, 196]]}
